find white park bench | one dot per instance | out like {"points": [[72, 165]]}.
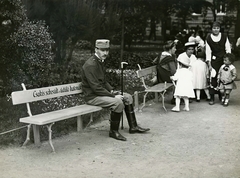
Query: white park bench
{"points": [[49, 118]]}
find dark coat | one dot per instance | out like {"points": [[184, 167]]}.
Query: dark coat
{"points": [[166, 67], [94, 80]]}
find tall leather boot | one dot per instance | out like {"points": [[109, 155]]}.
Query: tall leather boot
{"points": [[132, 122], [211, 102], [219, 96], [114, 125]]}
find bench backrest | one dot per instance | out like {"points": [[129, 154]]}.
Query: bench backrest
{"points": [[26, 96], [147, 71]]}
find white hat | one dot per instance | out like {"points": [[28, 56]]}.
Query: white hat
{"points": [[192, 39], [102, 43], [190, 43], [184, 60]]}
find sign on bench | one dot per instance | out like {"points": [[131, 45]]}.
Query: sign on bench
{"points": [[49, 118]]}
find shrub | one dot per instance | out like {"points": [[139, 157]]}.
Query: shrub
{"points": [[34, 56]]}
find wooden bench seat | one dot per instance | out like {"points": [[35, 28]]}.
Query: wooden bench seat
{"points": [[54, 116], [49, 118], [160, 88]]}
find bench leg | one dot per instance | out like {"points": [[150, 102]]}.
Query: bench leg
{"points": [[36, 134], [163, 100], [28, 135], [156, 97], [79, 123], [144, 101], [90, 121], [136, 100], [49, 127]]}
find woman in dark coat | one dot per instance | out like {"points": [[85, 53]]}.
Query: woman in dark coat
{"points": [[166, 63]]}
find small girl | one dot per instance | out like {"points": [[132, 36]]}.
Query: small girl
{"points": [[200, 73], [226, 76], [184, 85]]}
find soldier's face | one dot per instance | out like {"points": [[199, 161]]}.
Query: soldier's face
{"points": [[102, 53]]}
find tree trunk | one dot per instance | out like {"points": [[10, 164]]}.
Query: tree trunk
{"points": [[237, 27], [164, 28]]}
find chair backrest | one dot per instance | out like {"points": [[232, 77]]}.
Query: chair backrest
{"points": [[26, 96], [147, 71]]}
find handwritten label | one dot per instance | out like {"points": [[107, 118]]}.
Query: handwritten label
{"points": [[39, 93]]}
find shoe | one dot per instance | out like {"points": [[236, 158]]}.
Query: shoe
{"points": [[132, 121], [115, 134], [208, 99], [186, 109], [197, 100], [175, 109], [225, 103], [211, 102], [138, 129]]}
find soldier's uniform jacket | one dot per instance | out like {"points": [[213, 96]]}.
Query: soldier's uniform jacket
{"points": [[93, 79]]}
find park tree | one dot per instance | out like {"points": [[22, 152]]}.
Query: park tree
{"points": [[233, 6], [70, 21], [25, 46], [12, 15]]}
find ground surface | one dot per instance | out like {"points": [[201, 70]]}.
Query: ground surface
{"points": [[201, 143]]}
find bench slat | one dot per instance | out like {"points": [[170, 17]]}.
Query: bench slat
{"points": [[59, 115], [147, 71], [25, 96], [159, 87]]}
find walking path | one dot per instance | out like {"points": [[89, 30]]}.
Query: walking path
{"points": [[201, 143]]}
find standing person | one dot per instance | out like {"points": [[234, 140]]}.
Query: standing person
{"points": [[217, 45], [184, 86], [99, 92], [200, 72], [226, 76], [189, 53]]}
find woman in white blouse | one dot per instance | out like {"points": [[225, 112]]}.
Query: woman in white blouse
{"points": [[217, 45]]}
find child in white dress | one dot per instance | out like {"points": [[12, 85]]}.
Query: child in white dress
{"points": [[184, 84], [226, 76], [200, 73]]}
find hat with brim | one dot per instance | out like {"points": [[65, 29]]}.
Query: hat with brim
{"points": [[102, 43], [190, 44], [184, 60]]}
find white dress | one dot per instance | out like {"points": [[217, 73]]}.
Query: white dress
{"points": [[200, 71], [184, 85], [190, 59]]}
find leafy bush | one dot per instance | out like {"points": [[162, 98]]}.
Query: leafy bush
{"points": [[34, 55], [11, 17]]}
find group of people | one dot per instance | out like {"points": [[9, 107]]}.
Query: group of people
{"points": [[202, 66]]}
